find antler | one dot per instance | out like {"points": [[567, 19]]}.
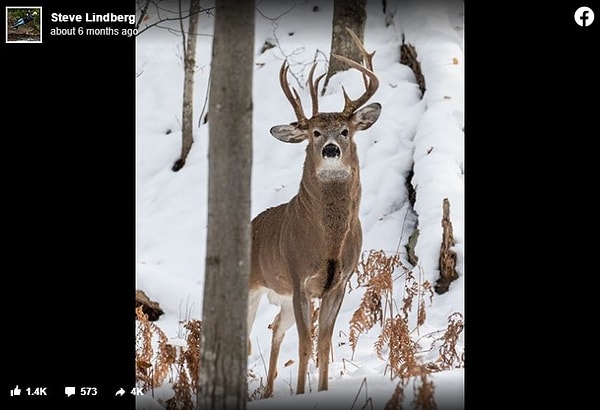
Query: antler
{"points": [[295, 98], [313, 89], [369, 77]]}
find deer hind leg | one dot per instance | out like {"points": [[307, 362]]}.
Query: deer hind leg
{"points": [[283, 321], [254, 296], [328, 311]]}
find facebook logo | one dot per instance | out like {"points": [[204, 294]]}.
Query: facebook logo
{"points": [[584, 16]]}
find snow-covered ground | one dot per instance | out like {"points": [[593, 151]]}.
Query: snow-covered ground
{"points": [[424, 134]]}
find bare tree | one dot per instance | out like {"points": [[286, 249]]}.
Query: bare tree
{"points": [[224, 350], [189, 64], [353, 15], [162, 14]]}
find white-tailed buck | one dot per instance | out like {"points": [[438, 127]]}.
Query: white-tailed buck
{"points": [[309, 247]]}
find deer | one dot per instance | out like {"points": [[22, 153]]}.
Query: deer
{"points": [[309, 247]]}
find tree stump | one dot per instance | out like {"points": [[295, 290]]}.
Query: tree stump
{"points": [[447, 255], [410, 247], [408, 57]]}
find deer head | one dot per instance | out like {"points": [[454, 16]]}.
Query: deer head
{"points": [[330, 134]]}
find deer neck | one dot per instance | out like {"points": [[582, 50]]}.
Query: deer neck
{"points": [[334, 205]]}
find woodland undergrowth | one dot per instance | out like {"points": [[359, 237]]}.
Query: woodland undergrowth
{"points": [[399, 336], [398, 341], [158, 361]]}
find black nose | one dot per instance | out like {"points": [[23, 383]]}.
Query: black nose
{"points": [[331, 151]]}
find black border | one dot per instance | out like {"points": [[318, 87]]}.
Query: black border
{"points": [[69, 213], [530, 80]]}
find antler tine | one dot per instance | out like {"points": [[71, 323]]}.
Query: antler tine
{"points": [[314, 86], [293, 99], [367, 71]]}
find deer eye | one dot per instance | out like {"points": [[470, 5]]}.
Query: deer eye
{"points": [[316, 133], [345, 132]]}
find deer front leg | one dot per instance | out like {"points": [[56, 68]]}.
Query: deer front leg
{"points": [[283, 321], [330, 306], [302, 313]]}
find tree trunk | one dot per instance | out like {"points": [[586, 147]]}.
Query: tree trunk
{"points": [[351, 14], [189, 63], [224, 348]]}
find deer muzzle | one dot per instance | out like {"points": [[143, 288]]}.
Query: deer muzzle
{"points": [[332, 168], [331, 151]]}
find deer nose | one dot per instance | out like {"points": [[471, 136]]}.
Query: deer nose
{"points": [[331, 151]]}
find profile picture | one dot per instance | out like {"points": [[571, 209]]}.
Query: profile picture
{"points": [[23, 24]]}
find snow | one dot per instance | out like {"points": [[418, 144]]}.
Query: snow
{"points": [[427, 133]]}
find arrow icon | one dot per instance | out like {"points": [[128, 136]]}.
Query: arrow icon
{"points": [[120, 392]]}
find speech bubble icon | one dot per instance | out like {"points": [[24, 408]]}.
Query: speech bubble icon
{"points": [[69, 391]]}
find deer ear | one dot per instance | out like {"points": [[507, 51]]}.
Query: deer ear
{"points": [[366, 116], [289, 133]]}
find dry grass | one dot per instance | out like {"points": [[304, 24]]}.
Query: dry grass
{"points": [[259, 392], [449, 357], [152, 367], [167, 363], [377, 273], [423, 393]]}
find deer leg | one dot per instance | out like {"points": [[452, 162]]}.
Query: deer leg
{"points": [[328, 311], [253, 302], [302, 313], [283, 321]]}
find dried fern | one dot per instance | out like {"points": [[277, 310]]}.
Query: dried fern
{"points": [[424, 392], [165, 357], [182, 363], [375, 273], [378, 305], [415, 289], [401, 348], [192, 352], [448, 349], [395, 402], [182, 387], [143, 351]]}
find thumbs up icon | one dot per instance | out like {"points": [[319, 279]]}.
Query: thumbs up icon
{"points": [[16, 391]]}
